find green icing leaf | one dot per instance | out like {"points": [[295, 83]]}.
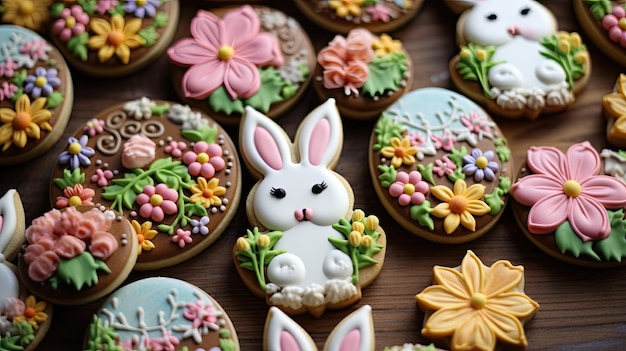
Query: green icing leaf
{"points": [[456, 175], [128, 199], [149, 36], [456, 156], [386, 129], [427, 172], [165, 176], [474, 64], [220, 101], [10, 343], [226, 342], [599, 8], [504, 153], [70, 178], [159, 110], [102, 337], [567, 241], [117, 10], [289, 91], [81, 270], [19, 77], [614, 247], [89, 6], [421, 214], [55, 99], [505, 184], [55, 9], [566, 58], [26, 333], [160, 20], [207, 134], [78, 45], [385, 74], [387, 175], [270, 91], [494, 201]]}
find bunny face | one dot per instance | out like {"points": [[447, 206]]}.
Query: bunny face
{"points": [[496, 22]]}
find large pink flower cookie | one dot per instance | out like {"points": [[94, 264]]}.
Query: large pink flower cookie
{"points": [[173, 172], [568, 206], [603, 22], [235, 57]]}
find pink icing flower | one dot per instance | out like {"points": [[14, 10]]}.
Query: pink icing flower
{"points": [[8, 68], [409, 188], [444, 166], [94, 127], [102, 177], [166, 343], [379, 12], [416, 139], [446, 141], [75, 196], [37, 49], [105, 5], [71, 22], [567, 187], [612, 24], [182, 237], [204, 159], [200, 314], [225, 51], [7, 90], [476, 123], [157, 201], [12, 307], [175, 148]]}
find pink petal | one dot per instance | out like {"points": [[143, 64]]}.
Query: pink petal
{"points": [[241, 78], [402, 177], [404, 199], [218, 163], [618, 11], [615, 33], [531, 189], [548, 214], [263, 50], [609, 191], [207, 170], [194, 168], [206, 28], [609, 21], [201, 146], [414, 177], [146, 210], [584, 161], [149, 190], [548, 160], [157, 213], [191, 52], [202, 79], [190, 157], [396, 189], [417, 198], [240, 26], [170, 194], [169, 207], [213, 150], [589, 219], [142, 199]]}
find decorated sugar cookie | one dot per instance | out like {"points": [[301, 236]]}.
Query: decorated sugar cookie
{"points": [[161, 313], [244, 56], [308, 250], [413, 347], [77, 255], [173, 172], [363, 72], [614, 110], [601, 20], [112, 38], [440, 166], [377, 16], [36, 95], [355, 332], [24, 318], [31, 14], [477, 307], [513, 60], [572, 207]]}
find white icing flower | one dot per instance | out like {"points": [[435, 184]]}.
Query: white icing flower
{"points": [[291, 72], [6, 326], [511, 99], [184, 115], [536, 98], [614, 164], [339, 290], [559, 97], [273, 19], [313, 295], [289, 296], [139, 109], [271, 288]]}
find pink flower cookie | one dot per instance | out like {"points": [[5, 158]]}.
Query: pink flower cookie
{"points": [[235, 57], [602, 22]]}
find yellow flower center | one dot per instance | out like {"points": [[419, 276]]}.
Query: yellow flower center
{"points": [[115, 38], [70, 22], [409, 189], [571, 188], [202, 157], [225, 52], [458, 204], [478, 301], [141, 2], [26, 7], [74, 148], [207, 193], [75, 200], [21, 121], [399, 152], [41, 81], [622, 23], [156, 200], [482, 162]]}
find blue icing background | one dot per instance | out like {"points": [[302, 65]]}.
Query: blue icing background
{"points": [[7, 37]]}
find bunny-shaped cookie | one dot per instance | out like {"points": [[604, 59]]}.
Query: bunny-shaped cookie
{"points": [[512, 48], [353, 333], [313, 252]]}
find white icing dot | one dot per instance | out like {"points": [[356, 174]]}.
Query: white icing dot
{"points": [[124, 236], [124, 242], [98, 162], [133, 213], [116, 172], [318, 78], [382, 159], [169, 138], [105, 165], [227, 171], [161, 143], [109, 215], [213, 210], [118, 218], [229, 184], [229, 164], [226, 152], [101, 208], [376, 98], [222, 208], [225, 201], [191, 144]]}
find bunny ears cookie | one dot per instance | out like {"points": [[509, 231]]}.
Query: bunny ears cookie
{"points": [[513, 61], [308, 250]]}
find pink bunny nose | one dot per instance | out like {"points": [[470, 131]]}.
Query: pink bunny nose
{"points": [[304, 214], [513, 31]]}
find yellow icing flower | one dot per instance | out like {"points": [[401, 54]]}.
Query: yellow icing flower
{"points": [[26, 121], [26, 13], [614, 105], [459, 206], [386, 45], [116, 37], [145, 233], [344, 8], [400, 151], [477, 306], [206, 193], [33, 312]]}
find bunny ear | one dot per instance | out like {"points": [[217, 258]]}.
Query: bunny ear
{"points": [[458, 6], [353, 333], [284, 334], [320, 136], [264, 142], [8, 219]]}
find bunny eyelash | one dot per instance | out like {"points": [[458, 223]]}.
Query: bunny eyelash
{"points": [[319, 187], [278, 193]]}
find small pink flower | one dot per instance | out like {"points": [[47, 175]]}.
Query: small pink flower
{"points": [[8, 69], [166, 343], [445, 142], [175, 148], [94, 127], [444, 166], [416, 139], [476, 123], [204, 160], [7, 90], [409, 188], [182, 237], [74, 196], [12, 307], [200, 314], [105, 5], [102, 177], [157, 201], [72, 22], [611, 24], [37, 49], [379, 12]]}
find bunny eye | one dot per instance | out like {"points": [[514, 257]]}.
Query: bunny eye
{"points": [[492, 17], [525, 11], [318, 188], [278, 193]]}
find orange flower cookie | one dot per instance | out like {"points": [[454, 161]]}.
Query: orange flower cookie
{"points": [[172, 171], [614, 110], [113, 38], [602, 21], [476, 307], [36, 95], [440, 166]]}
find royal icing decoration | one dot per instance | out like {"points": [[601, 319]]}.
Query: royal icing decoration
{"points": [[354, 333], [476, 307], [614, 108], [32, 14], [313, 252], [610, 15]]}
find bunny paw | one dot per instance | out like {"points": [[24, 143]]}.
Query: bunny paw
{"points": [[550, 72], [505, 76], [337, 265], [286, 269]]}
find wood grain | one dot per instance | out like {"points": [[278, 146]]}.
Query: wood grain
{"points": [[580, 309]]}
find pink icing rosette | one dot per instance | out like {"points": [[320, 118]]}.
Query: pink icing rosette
{"points": [[139, 151]]}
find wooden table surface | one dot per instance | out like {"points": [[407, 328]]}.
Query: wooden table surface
{"points": [[581, 309]]}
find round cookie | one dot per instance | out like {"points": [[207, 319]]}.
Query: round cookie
{"points": [[303, 218], [513, 61], [570, 206], [77, 255], [161, 313], [613, 109], [377, 16], [477, 307], [363, 72], [111, 38], [31, 14], [600, 20], [440, 166], [11, 224], [267, 65], [36, 95], [172, 171], [413, 347]]}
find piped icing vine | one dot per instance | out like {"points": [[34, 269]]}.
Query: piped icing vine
{"points": [[570, 197]]}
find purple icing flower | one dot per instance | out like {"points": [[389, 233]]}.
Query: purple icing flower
{"points": [[200, 226], [142, 8], [77, 154], [480, 165], [42, 83]]}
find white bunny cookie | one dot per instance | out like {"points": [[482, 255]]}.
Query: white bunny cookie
{"points": [[317, 252], [513, 60]]}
